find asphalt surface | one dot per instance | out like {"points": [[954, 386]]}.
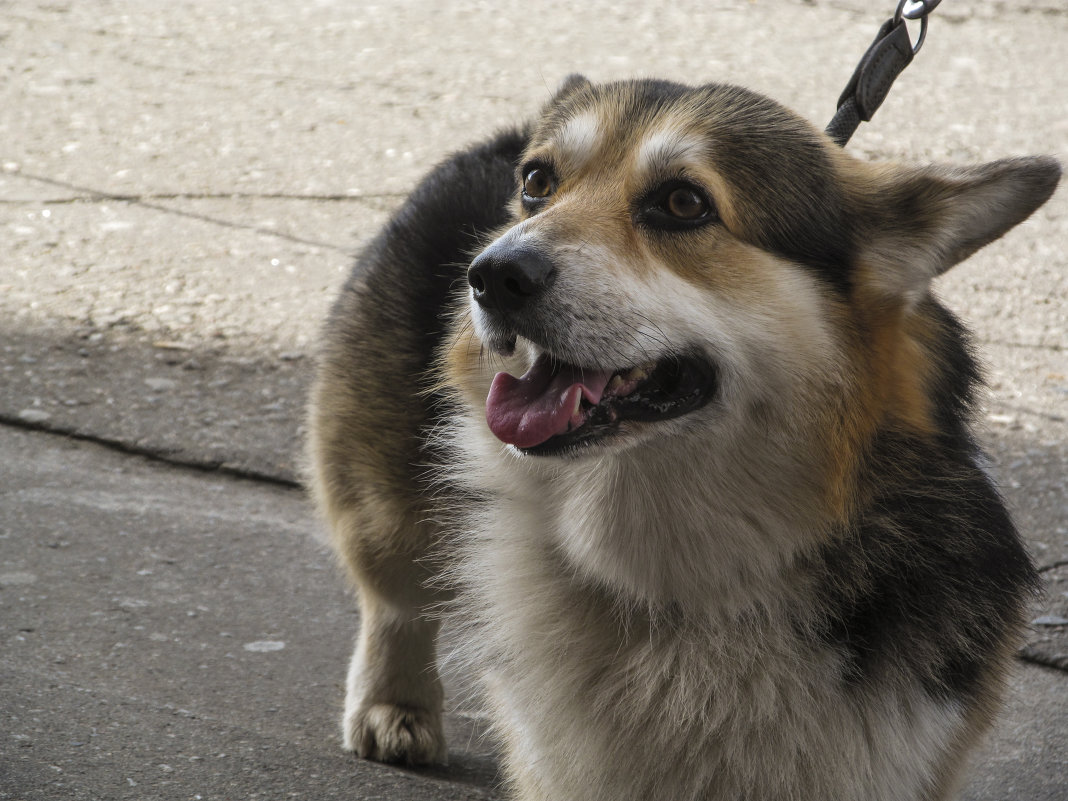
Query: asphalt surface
{"points": [[182, 188]]}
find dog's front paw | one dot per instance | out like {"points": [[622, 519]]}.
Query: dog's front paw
{"points": [[391, 733]]}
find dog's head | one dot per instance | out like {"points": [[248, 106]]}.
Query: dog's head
{"points": [[699, 257]]}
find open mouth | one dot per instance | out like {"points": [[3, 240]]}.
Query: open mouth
{"points": [[556, 407]]}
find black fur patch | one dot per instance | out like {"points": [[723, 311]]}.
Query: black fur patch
{"points": [[392, 307], [784, 182], [955, 375], [930, 580], [425, 248], [384, 330], [932, 577]]}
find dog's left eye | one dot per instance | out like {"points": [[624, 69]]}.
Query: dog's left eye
{"points": [[686, 204]]}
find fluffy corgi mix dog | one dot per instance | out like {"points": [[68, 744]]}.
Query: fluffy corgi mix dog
{"points": [[655, 393]]}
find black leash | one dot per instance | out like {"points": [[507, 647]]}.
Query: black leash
{"points": [[884, 60]]}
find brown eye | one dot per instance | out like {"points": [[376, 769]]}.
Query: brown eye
{"points": [[538, 183], [675, 205], [686, 204]]}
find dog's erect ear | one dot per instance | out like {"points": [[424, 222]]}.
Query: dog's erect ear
{"points": [[571, 84], [922, 221]]}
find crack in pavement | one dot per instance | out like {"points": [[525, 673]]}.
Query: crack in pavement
{"points": [[151, 454], [90, 195], [1053, 418], [1055, 348], [96, 196], [99, 197], [1036, 657]]}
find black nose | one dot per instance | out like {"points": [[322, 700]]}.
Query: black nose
{"points": [[508, 278]]}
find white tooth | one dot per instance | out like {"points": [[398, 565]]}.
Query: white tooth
{"points": [[578, 405]]}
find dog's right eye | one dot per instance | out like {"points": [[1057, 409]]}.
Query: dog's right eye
{"points": [[537, 183]]}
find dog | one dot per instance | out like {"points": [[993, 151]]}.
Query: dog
{"points": [[654, 395]]}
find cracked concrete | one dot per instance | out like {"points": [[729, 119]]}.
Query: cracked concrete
{"points": [[182, 188]]}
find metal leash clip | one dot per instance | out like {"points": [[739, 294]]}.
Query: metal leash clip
{"points": [[913, 10]]}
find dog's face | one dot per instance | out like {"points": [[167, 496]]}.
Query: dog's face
{"points": [[703, 260]]}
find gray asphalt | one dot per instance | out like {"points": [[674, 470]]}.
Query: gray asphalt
{"points": [[182, 188]]}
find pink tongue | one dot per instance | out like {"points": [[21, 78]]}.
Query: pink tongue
{"points": [[527, 411]]}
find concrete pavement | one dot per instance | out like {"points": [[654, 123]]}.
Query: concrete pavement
{"points": [[182, 187], [170, 634]]}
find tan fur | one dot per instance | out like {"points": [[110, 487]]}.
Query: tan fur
{"points": [[898, 368]]}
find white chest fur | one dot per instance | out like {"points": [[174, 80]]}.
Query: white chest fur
{"points": [[639, 640]]}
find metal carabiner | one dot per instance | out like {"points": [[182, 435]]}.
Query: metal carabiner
{"points": [[916, 9]]}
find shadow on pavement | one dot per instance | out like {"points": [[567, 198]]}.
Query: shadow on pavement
{"points": [[200, 405]]}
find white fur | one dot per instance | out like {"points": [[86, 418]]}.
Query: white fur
{"points": [[602, 693], [578, 140], [668, 146]]}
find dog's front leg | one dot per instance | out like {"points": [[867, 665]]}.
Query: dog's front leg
{"points": [[394, 698], [382, 532]]}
